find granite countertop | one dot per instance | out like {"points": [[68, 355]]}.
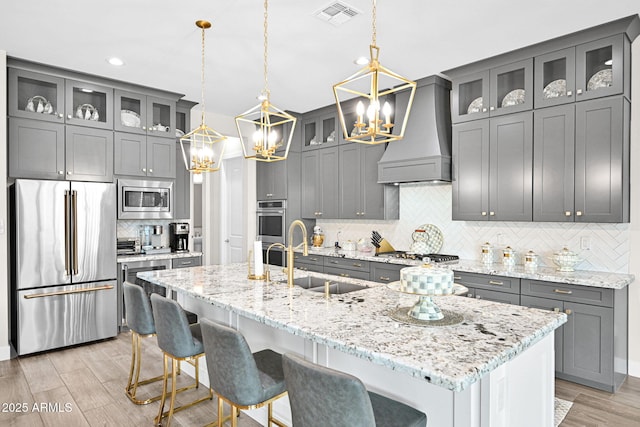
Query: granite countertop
{"points": [[599, 279], [357, 323], [145, 257]]}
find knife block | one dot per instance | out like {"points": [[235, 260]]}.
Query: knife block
{"points": [[384, 247]]}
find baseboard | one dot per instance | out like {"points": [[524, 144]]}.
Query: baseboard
{"points": [[5, 352], [634, 368]]}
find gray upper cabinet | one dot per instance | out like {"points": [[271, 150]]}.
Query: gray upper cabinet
{"points": [[492, 174], [148, 156], [36, 149], [602, 160], [319, 193], [35, 95], [591, 70], [145, 114], [182, 187], [89, 154], [361, 197], [500, 90], [271, 180], [320, 128], [88, 104]]}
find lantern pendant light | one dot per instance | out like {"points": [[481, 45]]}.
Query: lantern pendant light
{"points": [[203, 147], [369, 118], [271, 128]]}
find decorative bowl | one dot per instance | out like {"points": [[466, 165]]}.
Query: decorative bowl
{"points": [[130, 118], [565, 259]]}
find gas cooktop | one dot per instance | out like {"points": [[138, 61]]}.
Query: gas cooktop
{"points": [[410, 255]]}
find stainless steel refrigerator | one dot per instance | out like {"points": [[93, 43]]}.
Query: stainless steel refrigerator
{"points": [[63, 250]]}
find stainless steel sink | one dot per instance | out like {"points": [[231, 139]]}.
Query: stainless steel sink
{"points": [[316, 284]]}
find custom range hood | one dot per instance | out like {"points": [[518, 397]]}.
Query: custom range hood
{"points": [[424, 154]]}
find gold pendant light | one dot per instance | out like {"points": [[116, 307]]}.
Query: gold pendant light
{"points": [[270, 128], [369, 118], [203, 147]]}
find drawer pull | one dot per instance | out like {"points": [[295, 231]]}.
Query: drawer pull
{"points": [[562, 291], [333, 262], [186, 262], [357, 264], [495, 282], [344, 275], [386, 279], [568, 311], [313, 259], [76, 291], [457, 277], [469, 295], [556, 309]]}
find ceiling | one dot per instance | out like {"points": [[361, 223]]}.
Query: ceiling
{"points": [[161, 45]]}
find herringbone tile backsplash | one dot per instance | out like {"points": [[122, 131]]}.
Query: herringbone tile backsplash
{"points": [[431, 204]]}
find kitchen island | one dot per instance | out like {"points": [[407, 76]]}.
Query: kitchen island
{"points": [[496, 368]]}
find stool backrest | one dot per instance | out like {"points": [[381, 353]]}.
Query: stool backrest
{"points": [[172, 328], [138, 309], [322, 396], [233, 372]]}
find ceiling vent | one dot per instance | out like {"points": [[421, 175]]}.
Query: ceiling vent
{"points": [[337, 13]]}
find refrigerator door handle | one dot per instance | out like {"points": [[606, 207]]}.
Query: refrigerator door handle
{"points": [[77, 291], [74, 205], [67, 268]]}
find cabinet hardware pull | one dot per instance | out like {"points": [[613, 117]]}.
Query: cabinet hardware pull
{"points": [[484, 110], [60, 172], [344, 275], [578, 213], [333, 262], [313, 259], [492, 108], [61, 115], [144, 169], [72, 291], [457, 277], [386, 279], [357, 264], [579, 91], [150, 170], [556, 309], [186, 262], [69, 116], [469, 295], [484, 213], [495, 282], [567, 213], [492, 213], [144, 128], [69, 173], [568, 311], [478, 297], [562, 291]]}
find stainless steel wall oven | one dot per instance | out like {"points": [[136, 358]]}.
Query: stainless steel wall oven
{"points": [[271, 221]]}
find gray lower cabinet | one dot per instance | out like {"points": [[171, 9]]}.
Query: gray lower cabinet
{"points": [[489, 287], [309, 263], [581, 163], [384, 272], [492, 171], [43, 150], [185, 262], [347, 267], [361, 197], [319, 192], [591, 348], [144, 156]]}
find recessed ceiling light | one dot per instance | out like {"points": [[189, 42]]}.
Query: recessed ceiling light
{"points": [[363, 60], [115, 61]]}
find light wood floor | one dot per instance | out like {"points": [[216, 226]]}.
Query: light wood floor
{"points": [[91, 380]]}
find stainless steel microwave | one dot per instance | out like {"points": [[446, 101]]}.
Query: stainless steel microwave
{"points": [[145, 199]]}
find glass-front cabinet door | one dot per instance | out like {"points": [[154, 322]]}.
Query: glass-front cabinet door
{"points": [[555, 81], [161, 117], [599, 68], [130, 112], [87, 104], [511, 88], [470, 97], [36, 96], [320, 128]]}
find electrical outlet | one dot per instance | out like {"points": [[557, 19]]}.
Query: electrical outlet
{"points": [[585, 243]]}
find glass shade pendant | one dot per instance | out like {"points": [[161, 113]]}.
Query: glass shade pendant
{"points": [[203, 147], [265, 130], [369, 117]]}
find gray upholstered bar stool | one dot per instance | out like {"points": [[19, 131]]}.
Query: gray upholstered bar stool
{"points": [[140, 322], [243, 379], [321, 396], [178, 341]]}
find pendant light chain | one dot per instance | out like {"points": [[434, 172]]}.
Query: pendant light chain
{"points": [[266, 45], [374, 29], [202, 77]]}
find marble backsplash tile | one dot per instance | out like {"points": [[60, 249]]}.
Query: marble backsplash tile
{"points": [[431, 204]]}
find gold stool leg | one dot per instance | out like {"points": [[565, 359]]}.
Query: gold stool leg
{"points": [[172, 402], [158, 419], [234, 416], [134, 372]]}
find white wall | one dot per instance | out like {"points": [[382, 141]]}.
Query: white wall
{"points": [[4, 259]]}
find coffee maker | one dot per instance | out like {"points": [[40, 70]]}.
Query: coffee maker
{"points": [[179, 236]]}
